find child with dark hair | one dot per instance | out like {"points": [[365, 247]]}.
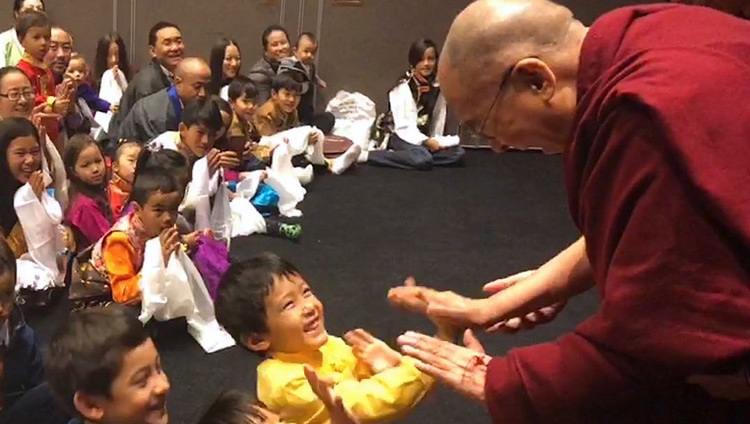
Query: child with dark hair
{"points": [[201, 122], [236, 407], [279, 121], [123, 173], [119, 254], [34, 32], [302, 67], [89, 214], [243, 98], [267, 306], [410, 135], [104, 367]]}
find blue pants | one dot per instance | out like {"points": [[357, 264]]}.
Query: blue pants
{"points": [[403, 155]]}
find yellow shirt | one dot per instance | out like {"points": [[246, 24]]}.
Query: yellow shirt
{"points": [[283, 388]]}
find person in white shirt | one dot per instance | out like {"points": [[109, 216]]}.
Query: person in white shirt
{"points": [[411, 132]]}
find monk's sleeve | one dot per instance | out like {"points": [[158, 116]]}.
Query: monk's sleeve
{"points": [[674, 290]]}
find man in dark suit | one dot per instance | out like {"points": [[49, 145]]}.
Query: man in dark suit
{"points": [[166, 48], [162, 111]]}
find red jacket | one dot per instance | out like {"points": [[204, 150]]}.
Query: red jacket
{"points": [[41, 79]]}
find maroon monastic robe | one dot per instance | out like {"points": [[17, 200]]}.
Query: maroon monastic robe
{"points": [[658, 180]]}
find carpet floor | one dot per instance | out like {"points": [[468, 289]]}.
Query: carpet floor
{"points": [[365, 231]]}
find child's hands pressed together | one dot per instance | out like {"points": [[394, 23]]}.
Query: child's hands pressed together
{"points": [[373, 352], [170, 241], [36, 181], [191, 240], [313, 138]]}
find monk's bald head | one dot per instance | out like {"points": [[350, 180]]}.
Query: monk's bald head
{"points": [[494, 34], [192, 75], [508, 69], [190, 65]]}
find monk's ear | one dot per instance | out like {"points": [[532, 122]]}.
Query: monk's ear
{"points": [[533, 75], [257, 342]]}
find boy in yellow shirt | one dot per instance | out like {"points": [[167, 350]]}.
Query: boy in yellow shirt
{"points": [[267, 306]]}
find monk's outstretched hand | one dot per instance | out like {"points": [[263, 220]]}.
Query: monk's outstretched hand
{"points": [[448, 310], [463, 369]]}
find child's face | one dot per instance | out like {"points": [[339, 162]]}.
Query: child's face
{"points": [[125, 165], [159, 212], [24, 158], [77, 70], [139, 392], [113, 55], [426, 67], [232, 62], [306, 51], [36, 42], [90, 167], [286, 100], [244, 108], [294, 317], [197, 138], [7, 294]]}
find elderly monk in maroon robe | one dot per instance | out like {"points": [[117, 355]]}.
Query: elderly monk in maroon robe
{"points": [[651, 108]]}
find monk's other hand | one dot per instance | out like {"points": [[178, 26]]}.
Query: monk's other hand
{"points": [[528, 321], [463, 369]]}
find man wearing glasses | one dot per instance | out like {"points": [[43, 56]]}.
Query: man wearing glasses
{"points": [[651, 115]]}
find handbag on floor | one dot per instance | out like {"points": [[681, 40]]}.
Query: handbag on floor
{"points": [[88, 287]]}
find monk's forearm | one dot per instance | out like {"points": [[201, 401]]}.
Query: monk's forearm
{"points": [[561, 278]]}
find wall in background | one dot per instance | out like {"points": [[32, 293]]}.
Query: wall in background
{"points": [[362, 48]]}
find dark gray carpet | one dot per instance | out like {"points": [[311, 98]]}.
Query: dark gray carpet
{"points": [[365, 231]]}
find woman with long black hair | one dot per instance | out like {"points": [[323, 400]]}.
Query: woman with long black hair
{"points": [[225, 62]]}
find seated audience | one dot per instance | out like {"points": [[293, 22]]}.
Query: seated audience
{"points": [[123, 173], [225, 61], [162, 111], [412, 129], [267, 306], [276, 47], [89, 215], [23, 396], [166, 49], [11, 50], [102, 364], [302, 66], [243, 97], [118, 255], [195, 139], [279, 114], [19, 102]]}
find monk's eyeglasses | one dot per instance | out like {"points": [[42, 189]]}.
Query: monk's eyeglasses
{"points": [[479, 131]]}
